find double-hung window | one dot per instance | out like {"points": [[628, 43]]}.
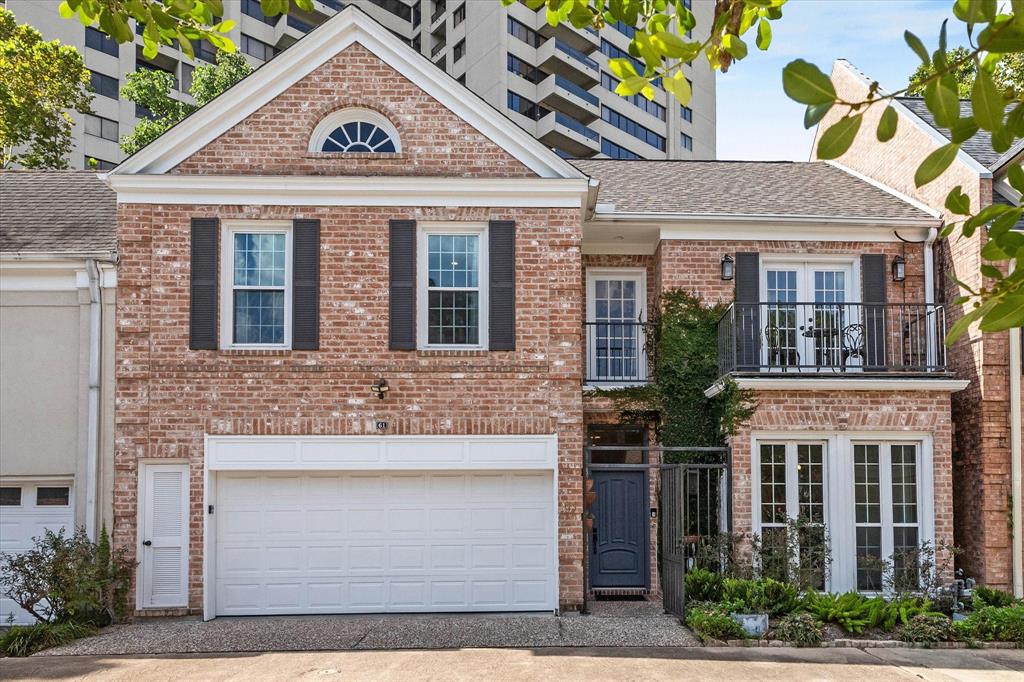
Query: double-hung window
{"points": [[452, 272], [256, 285]]}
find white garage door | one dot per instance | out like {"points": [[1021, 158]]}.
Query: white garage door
{"points": [[28, 511], [355, 542]]}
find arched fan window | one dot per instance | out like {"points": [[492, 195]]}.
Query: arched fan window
{"points": [[355, 130]]}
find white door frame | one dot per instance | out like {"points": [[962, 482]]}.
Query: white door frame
{"points": [[146, 466], [366, 453]]}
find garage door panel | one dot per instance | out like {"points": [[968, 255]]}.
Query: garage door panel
{"points": [[448, 542]]}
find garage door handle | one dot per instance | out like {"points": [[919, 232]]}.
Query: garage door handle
{"points": [[148, 543]]}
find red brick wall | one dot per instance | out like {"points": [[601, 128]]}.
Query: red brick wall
{"points": [[168, 396], [274, 140], [981, 455], [849, 412]]}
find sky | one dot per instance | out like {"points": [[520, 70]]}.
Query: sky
{"points": [[755, 118]]}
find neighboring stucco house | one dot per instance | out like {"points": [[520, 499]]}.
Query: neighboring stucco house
{"points": [[57, 282], [360, 310], [987, 446]]}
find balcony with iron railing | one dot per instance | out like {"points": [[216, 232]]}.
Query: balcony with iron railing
{"points": [[834, 339], [616, 353]]}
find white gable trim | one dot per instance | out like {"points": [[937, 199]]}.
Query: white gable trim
{"points": [[349, 26], [301, 190]]}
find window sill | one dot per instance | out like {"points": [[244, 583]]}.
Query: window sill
{"points": [[452, 352], [261, 352], [398, 156]]}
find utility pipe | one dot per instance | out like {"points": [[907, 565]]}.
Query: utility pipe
{"points": [[929, 293], [93, 418], [1016, 454]]}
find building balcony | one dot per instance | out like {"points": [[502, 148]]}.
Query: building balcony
{"points": [[564, 132], [585, 40], [558, 92], [832, 339], [556, 57], [616, 353]]}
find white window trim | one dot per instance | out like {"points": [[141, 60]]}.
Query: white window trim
{"points": [[804, 263], [29, 486], [227, 262], [638, 275], [839, 494], [422, 279], [348, 115]]}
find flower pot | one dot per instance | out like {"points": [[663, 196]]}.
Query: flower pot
{"points": [[754, 624]]}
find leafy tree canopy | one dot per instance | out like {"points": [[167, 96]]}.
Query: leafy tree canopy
{"points": [[39, 82], [152, 89], [1008, 74]]}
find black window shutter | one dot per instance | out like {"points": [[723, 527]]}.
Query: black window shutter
{"points": [[402, 310], [873, 278], [202, 331], [748, 311], [501, 261], [306, 284]]}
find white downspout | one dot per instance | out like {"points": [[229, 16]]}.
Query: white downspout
{"points": [[93, 423], [929, 294], [1016, 455]]}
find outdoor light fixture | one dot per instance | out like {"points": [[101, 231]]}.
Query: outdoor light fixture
{"points": [[899, 269], [728, 266], [381, 388]]}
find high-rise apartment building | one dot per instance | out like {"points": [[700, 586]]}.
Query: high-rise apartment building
{"points": [[553, 81]]}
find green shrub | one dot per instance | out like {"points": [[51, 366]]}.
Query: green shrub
{"points": [[25, 640], [851, 611], [765, 595], [990, 596], [927, 629], [703, 585], [802, 629], [886, 615], [712, 621], [994, 624]]}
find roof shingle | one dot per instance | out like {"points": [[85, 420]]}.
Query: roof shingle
{"points": [[978, 147], [742, 188], [66, 212]]}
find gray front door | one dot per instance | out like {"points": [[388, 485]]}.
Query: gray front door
{"points": [[619, 544]]}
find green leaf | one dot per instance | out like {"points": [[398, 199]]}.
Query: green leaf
{"points": [[764, 35], [838, 138], [805, 83], [679, 87], [631, 85], [887, 125], [65, 10], [1015, 176], [986, 101], [1004, 223], [622, 67], [917, 46], [987, 214], [1003, 35], [734, 45], [935, 164], [943, 102], [1005, 315], [963, 130], [675, 47], [814, 114], [957, 202], [965, 322]]}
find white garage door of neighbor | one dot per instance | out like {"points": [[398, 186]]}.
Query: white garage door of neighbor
{"points": [[28, 511], [364, 542]]}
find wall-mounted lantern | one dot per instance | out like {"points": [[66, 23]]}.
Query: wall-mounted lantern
{"points": [[381, 388], [899, 269], [728, 267]]}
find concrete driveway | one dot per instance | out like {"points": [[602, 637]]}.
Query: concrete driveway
{"points": [[563, 664]]}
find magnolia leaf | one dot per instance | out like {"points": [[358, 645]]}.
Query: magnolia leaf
{"points": [[679, 87], [943, 102], [965, 322], [957, 202], [887, 125], [734, 45], [1015, 176], [65, 10], [1004, 223], [1005, 315], [805, 83], [764, 35], [838, 138], [989, 213], [935, 164], [622, 67], [675, 47], [631, 85], [986, 102], [814, 113], [963, 130], [917, 46]]}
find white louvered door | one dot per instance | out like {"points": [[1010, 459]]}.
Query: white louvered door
{"points": [[164, 538]]}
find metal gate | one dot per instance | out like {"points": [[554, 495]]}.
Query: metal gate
{"points": [[695, 513]]}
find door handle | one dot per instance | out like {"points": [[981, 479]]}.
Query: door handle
{"points": [[148, 543]]}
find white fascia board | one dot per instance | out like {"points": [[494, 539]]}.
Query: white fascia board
{"points": [[1004, 189], [349, 191], [349, 26], [923, 125], [840, 384]]}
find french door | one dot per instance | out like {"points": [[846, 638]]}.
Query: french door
{"points": [[616, 320], [806, 320]]}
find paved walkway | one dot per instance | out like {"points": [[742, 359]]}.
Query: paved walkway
{"points": [[338, 633], [564, 665]]}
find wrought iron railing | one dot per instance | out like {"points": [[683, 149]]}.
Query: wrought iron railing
{"points": [[616, 352], [840, 338]]}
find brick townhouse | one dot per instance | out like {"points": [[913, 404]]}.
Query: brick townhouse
{"points": [[987, 446], [360, 312]]}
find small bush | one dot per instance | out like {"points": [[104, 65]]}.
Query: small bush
{"points": [[712, 621], [990, 596], [886, 615], [994, 624], [766, 595], [703, 585], [802, 629], [25, 640], [928, 629], [851, 611]]}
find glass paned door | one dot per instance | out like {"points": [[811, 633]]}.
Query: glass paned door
{"points": [[615, 331]]}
